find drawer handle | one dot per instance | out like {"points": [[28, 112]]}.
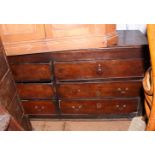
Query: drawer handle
{"points": [[99, 69], [98, 105], [77, 108], [42, 107], [75, 91], [36, 107], [121, 107], [122, 91], [39, 108]]}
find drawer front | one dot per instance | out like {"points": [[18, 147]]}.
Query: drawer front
{"points": [[3, 65], [103, 107], [99, 69], [40, 107], [35, 91], [15, 109], [31, 72], [99, 90]]}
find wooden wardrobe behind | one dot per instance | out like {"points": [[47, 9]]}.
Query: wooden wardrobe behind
{"points": [[37, 38]]}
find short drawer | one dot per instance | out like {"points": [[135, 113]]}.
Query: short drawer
{"points": [[35, 91], [100, 89], [81, 70], [31, 72], [15, 109], [103, 107], [40, 107]]}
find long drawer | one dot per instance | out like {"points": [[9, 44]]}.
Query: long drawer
{"points": [[71, 90], [102, 107], [31, 72], [79, 70], [35, 90], [39, 107]]}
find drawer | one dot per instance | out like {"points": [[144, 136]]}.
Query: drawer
{"points": [[31, 72], [15, 109], [3, 63], [35, 91], [102, 107], [81, 70], [100, 89], [41, 107]]}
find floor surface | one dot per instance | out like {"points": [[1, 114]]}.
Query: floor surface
{"points": [[80, 125]]}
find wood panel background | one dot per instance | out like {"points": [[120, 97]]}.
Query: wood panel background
{"points": [[37, 38]]}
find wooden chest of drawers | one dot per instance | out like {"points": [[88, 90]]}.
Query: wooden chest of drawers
{"points": [[84, 83]]}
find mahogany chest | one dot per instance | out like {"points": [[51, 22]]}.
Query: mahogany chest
{"points": [[84, 83]]}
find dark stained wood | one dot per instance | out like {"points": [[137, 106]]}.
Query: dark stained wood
{"points": [[122, 89], [41, 107], [8, 95], [105, 106], [35, 91], [15, 126], [26, 123], [15, 109], [131, 44], [79, 70], [7, 90], [3, 64], [97, 54], [82, 54], [31, 72], [111, 75]]}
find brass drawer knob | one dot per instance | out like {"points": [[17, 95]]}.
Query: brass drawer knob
{"points": [[98, 93], [121, 107], [77, 108], [39, 108], [124, 105], [119, 89], [42, 107], [99, 69], [75, 91], [122, 91], [98, 105], [117, 106], [35, 107]]}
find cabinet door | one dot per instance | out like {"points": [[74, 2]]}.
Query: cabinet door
{"points": [[21, 32], [67, 30], [76, 30]]}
